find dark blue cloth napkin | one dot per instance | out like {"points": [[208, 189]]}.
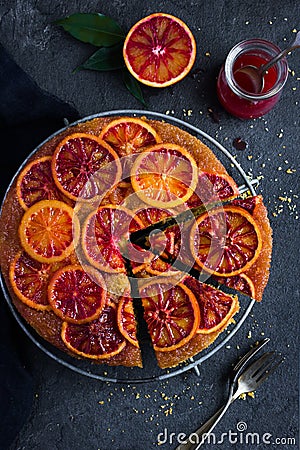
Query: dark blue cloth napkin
{"points": [[27, 117]]}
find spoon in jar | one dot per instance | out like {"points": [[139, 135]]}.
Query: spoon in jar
{"points": [[254, 76]]}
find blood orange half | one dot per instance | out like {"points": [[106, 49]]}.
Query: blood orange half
{"points": [[159, 50], [164, 176], [85, 166], [77, 294], [225, 241], [129, 135], [171, 312], [35, 183], [216, 307], [99, 339], [49, 231]]}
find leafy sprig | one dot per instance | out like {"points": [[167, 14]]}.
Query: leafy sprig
{"points": [[104, 32]]}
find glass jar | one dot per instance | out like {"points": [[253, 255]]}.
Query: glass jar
{"points": [[235, 94]]}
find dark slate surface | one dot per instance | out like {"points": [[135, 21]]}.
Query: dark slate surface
{"points": [[68, 410]]}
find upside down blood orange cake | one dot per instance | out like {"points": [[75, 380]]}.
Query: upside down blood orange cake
{"points": [[73, 272]]}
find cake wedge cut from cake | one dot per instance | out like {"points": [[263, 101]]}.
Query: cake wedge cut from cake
{"points": [[184, 317]]}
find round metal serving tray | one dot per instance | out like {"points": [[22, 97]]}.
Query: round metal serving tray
{"points": [[150, 371]]}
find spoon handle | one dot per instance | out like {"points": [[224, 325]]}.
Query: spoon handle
{"points": [[295, 44]]}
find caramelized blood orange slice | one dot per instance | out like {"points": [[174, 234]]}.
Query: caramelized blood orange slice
{"points": [[239, 282], [249, 204], [49, 231], [35, 183], [176, 252], [85, 166], [174, 237], [225, 241], [126, 320], [159, 242], [216, 307], [171, 312], [159, 50], [213, 187], [77, 294], [99, 339], [29, 279], [129, 135], [150, 215], [158, 266], [164, 176], [118, 194], [104, 232]]}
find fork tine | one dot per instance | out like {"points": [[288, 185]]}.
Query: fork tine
{"points": [[263, 366], [251, 353], [268, 372], [255, 366]]}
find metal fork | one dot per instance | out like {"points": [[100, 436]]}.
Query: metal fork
{"points": [[248, 381]]}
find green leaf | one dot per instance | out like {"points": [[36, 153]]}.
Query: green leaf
{"points": [[133, 86], [95, 29], [106, 58]]}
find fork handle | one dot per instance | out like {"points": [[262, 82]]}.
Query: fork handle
{"points": [[207, 427], [201, 431]]}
